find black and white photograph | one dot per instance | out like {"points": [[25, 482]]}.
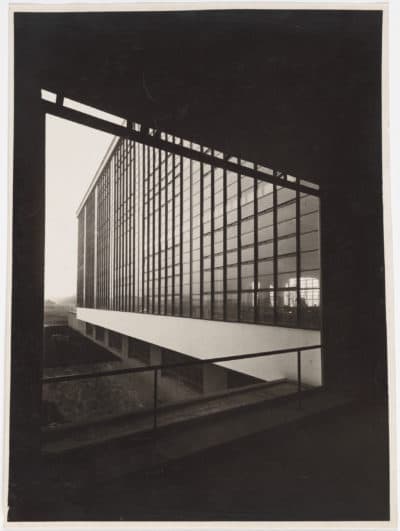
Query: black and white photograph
{"points": [[199, 266]]}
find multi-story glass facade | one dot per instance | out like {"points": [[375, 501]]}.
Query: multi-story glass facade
{"points": [[164, 234]]}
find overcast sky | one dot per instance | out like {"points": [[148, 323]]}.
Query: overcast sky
{"points": [[73, 155]]}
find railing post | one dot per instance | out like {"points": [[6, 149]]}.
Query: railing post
{"points": [[299, 378], [155, 399]]}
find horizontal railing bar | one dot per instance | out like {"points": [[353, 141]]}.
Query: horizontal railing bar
{"points": [[178, 149], [131, 370]]}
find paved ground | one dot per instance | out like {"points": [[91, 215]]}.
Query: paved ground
{"points": [[330, 467], [335, 468]]}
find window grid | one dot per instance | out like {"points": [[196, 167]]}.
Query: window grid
{"points": [[198, 241], [89, 251]]}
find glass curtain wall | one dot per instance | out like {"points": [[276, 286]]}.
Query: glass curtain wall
{"points": [[188, 239]]}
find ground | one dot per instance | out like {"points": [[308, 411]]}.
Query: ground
{"points": [[333, 467]]}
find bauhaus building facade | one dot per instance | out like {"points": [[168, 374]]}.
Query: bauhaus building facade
{"points": [[203, 255]]}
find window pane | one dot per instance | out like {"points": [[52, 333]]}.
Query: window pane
{"points": [[265, 220], [231, 272], [287, 212], [247, 226], [218, 306], [287, 246], [247, 270], [265, 250], [287, 280], [286, 307], [247, 254], [309, 241], [265, 203], [308, 204], [247, 306], [265, 281], [309, 222], [287, 227], [231, 258], [265, 307], [285, 194], [309, 260], [231, 306], [265, 234], [207, 305], [286, 264]]}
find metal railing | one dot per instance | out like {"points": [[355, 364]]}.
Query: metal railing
{"points": [[159, 367]]}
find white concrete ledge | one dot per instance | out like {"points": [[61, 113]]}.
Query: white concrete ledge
{"points": [[205, 339]]}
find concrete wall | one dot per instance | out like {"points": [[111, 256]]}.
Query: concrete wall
{"points": [[206, 339]]}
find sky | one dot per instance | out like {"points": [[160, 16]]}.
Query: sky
{"points": [[73, 155]]}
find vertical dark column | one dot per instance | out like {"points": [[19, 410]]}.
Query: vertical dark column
{"points": [[143, 225], [103, 237], [116, 231], [131, 222], [275, 250], [239, 244], [166, 237], [108, 255], [148, 230], [153, 152], [191, 235], [181, 237], [119, 227], [100, 241], [136, 186], [224, 247], [134, 229], [126, 226], [173, 237], [212, 241], [159, 231], [27, 308], [115, 291], [123, 224], [298, 258], [120, 234], [109, 236], [201, 237], [255, 251], [120, 239]]}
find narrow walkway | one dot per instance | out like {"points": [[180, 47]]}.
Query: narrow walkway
{"points": [[133, 454], [67, 437]]}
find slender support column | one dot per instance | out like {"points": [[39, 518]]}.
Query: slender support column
{"points": [[106, 337], [299, 378], [155, 399], [155, 355], [125, 347], [214, 378]]}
